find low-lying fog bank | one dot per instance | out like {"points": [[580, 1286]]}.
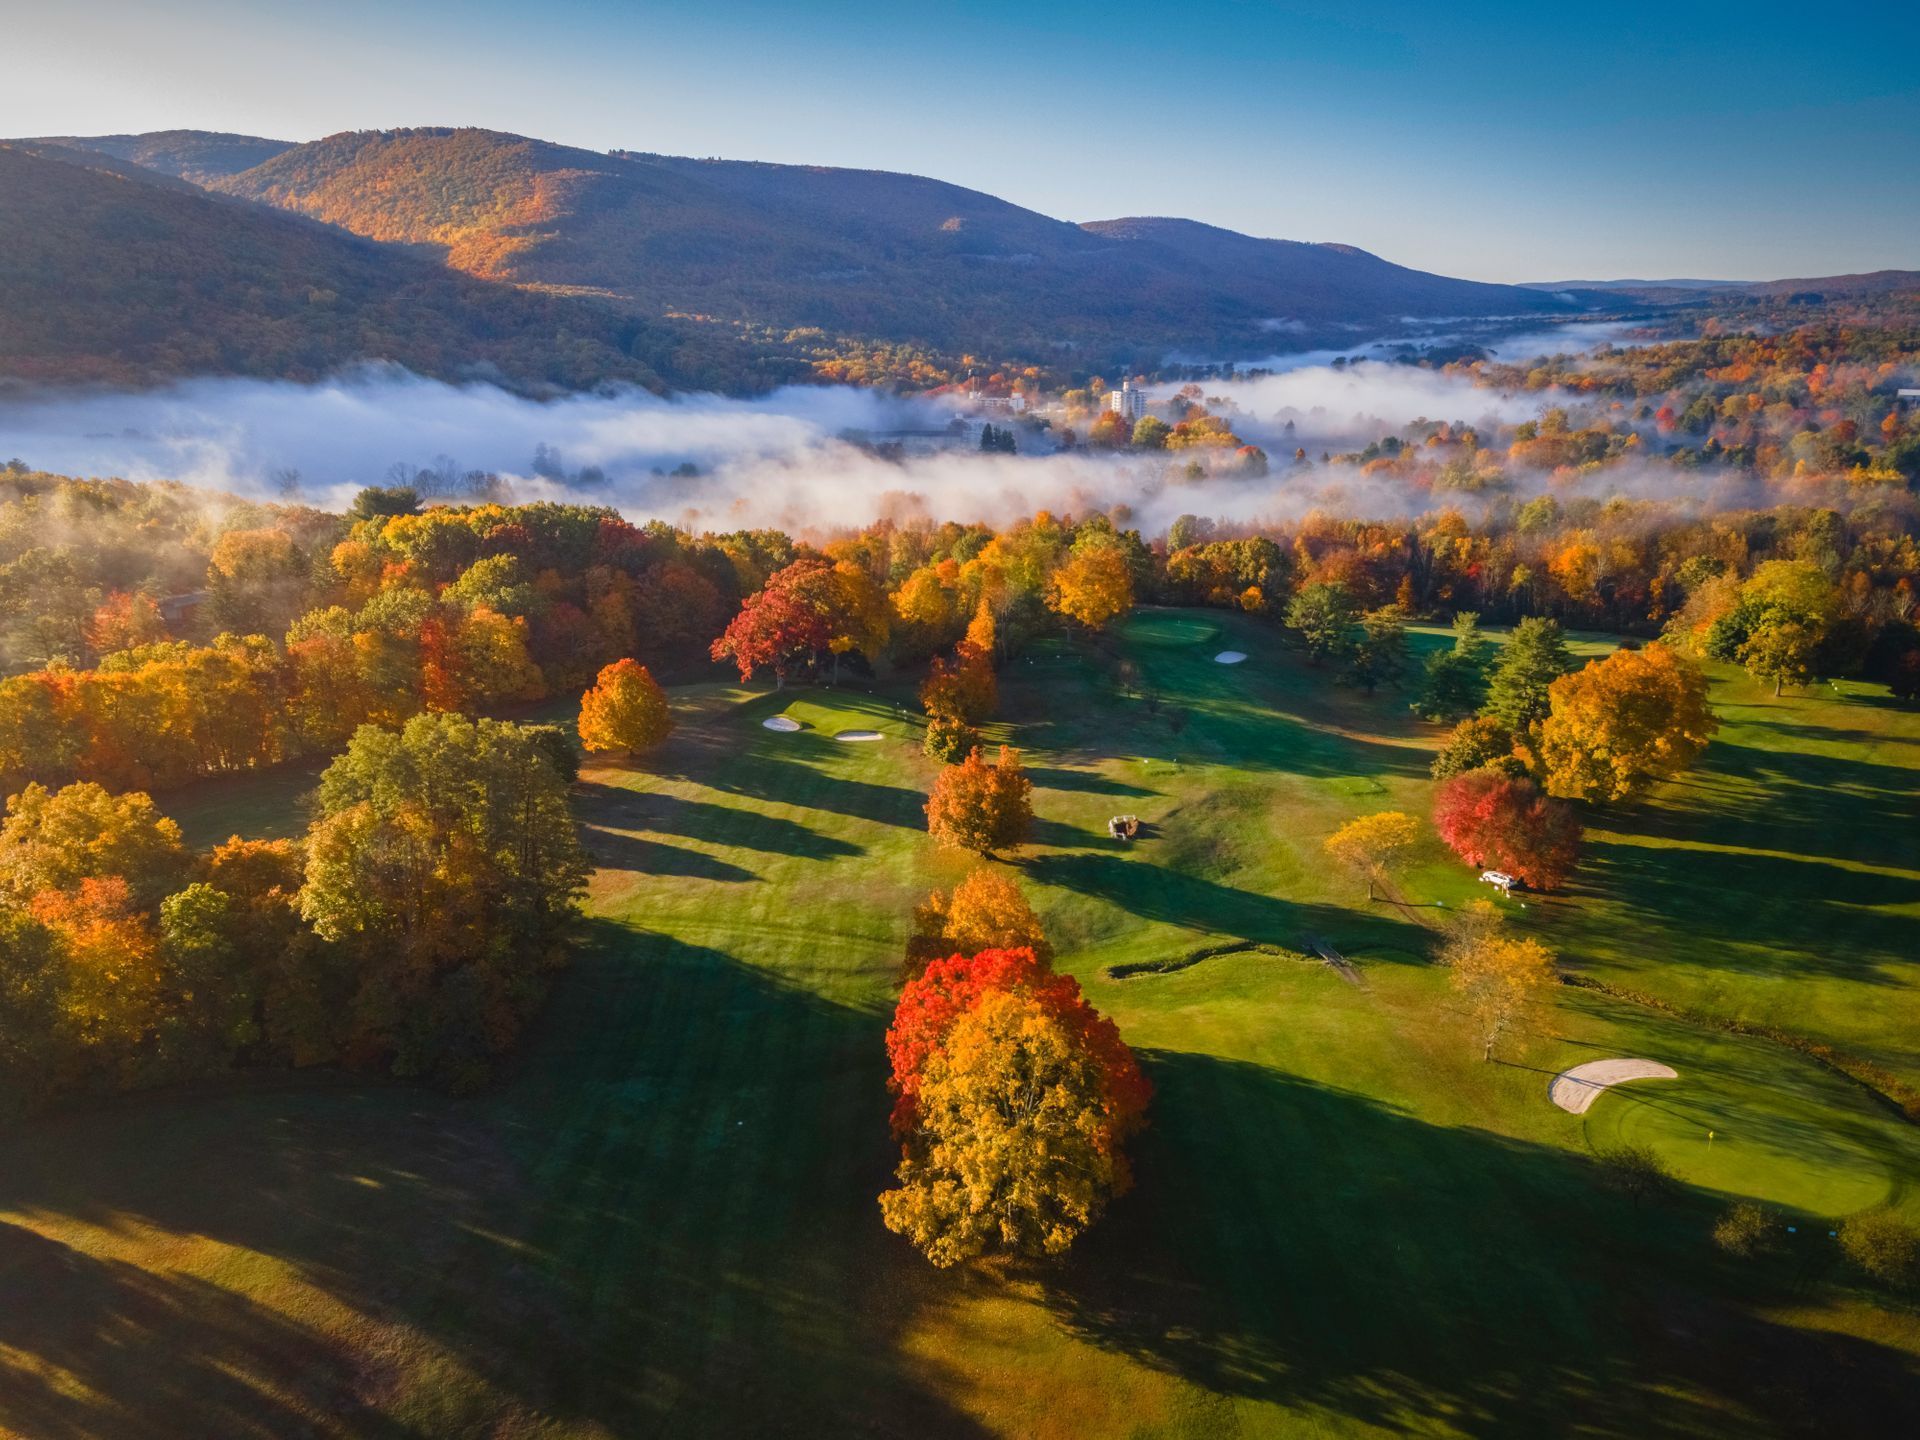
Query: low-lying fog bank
{"points": [[713, 462]]}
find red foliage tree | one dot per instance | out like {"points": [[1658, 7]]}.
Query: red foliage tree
{"points": [[788, 622], [1495, 819], [948, 988]]}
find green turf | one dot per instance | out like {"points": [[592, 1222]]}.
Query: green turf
{"points": [[663, 1222]]}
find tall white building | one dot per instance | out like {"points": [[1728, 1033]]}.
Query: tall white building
{"points": [[1128, 403]]}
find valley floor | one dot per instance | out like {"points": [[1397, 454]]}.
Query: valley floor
{"points": [[1345, 1223]]}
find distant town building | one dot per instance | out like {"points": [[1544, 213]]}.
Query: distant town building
{"points": [[1910, 395], [1128, 403], [998, 404]]}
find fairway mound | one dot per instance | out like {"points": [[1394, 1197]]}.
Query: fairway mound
{"points": [[1191, 958], [785, 724], [856, 736], [1574, 1090], [1229, 657]]}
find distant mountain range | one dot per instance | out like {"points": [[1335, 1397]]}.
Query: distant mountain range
{"points": [[464, 251]]}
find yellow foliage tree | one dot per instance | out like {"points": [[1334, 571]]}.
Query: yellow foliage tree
{"points": [[1374, 845], [1500, 978], [986, 911], [1092, 586], [1014, 1151], [1624, 722], [625, 710]]}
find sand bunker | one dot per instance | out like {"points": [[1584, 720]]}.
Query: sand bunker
{"points": [[1229, 657], [785, 724], [856, 735], [1574, 1090]]}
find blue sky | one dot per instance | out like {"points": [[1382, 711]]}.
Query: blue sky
{"points": [[1497, 141]]}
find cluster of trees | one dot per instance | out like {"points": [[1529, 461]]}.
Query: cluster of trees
{"points": [[1013, 1097], [1547, 735], [1634, 567], [309, 625], [410, 932], [1191, 427], [1816, 398], [1602, 732]]}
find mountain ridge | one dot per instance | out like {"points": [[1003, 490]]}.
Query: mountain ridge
{"points": [[866, 253]]}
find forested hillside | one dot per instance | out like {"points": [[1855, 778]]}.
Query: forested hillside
{"points": [[111, 274]]}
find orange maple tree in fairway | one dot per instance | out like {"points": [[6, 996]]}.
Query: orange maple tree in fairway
{"points": [[980, 807], [947, 988], [625, 710]]}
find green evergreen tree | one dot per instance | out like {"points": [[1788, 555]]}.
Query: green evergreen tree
{"points": [[1456, 681], [1324, 617], [1535, 656], [1380, 657]]}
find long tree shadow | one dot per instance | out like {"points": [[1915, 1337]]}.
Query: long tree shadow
{"points": [[664, 1226], [1179, 898], [1311, 1247], [1840, 808], [1091, 782], [612, 851], [614, 808], [792, 782], [1846, 923], [236, 1367], [1831, 734]]}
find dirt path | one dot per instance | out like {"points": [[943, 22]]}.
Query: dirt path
{"points": [[1336, 962]]}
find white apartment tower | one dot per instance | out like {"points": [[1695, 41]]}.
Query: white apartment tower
{"points": [[1128, 403]]}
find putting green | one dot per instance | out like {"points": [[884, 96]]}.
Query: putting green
{"points": [[1775, 1145], [1162, 628]]}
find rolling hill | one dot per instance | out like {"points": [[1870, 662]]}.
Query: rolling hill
{"points": [[196, 155], [115, 274], [856, 253]]}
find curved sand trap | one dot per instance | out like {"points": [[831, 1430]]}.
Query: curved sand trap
{"points": [[1574, 1090], [785, 724], [856, 735], [1229, 657]]}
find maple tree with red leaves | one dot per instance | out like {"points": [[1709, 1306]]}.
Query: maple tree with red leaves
{"points": [[1506, 822], [787, 623]]}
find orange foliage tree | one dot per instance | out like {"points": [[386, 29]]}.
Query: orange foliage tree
{"points": [[1092, 586], [980, 807], [625, 710], [985, 911], [1623, 723]]}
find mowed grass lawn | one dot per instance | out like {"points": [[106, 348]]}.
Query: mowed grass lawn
{"points": [[1345, 1224]]}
